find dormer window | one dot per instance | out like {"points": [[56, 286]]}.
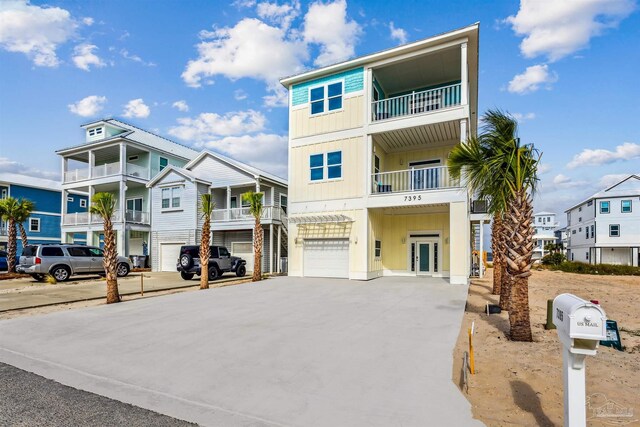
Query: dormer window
{"points": [[95, 132]]}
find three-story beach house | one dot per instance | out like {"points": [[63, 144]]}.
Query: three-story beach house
{"points": [[177, 218], [121, 159], [605, 228], [545, 225], [370, 193]]}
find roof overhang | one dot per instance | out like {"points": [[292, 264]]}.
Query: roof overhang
{"points": [[320, 219]]}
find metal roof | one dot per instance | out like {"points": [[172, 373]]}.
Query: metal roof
{"points": [[242, 166], [29, 181], [612, 192]]}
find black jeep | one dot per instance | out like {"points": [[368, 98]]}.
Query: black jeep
{"points": [[220, 261]]}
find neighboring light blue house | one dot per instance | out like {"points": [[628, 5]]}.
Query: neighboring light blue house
{"points": [[43, 226]]}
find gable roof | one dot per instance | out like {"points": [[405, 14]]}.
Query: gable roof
{"points": [[180, 171], [544, 213], [612, 192], [239, 165]]}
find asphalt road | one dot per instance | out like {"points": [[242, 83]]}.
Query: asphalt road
{"points": [[31, 400]]}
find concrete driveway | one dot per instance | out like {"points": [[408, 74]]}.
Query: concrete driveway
{"points": [[287, 351]]}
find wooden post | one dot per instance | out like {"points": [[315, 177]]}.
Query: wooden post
{"points": [[142, 284], [472, 366]]}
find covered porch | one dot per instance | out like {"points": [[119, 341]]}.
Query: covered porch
{"points": [[112, 160]]}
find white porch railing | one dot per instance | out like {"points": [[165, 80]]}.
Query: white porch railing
{"points": [[137, 171], [408, 180], [416, 102], [106, 169], [243, 214], [85, 218], [139, 217], [76, 175], [3, 230]]}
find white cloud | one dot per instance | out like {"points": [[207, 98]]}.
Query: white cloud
{"points": [[89, 106], [611, 179], [88, 21], [208, 126], [84, 57], [532, 78], [12, 166], [136, 108], [563, 181], [559, 28], [264, 151], [327, 25], [523, 117], [135, 58], [280, 14], [601, 156], [544, 168], [398, 34], [35, 31], [181, 105], [240, 95]]}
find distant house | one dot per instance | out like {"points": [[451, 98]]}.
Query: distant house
{"points": [[119, 158], [605, 228], [43, 226], [545, 225], [176, 219]]}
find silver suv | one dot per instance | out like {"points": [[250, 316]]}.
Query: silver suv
{"points": [[62, 261]]}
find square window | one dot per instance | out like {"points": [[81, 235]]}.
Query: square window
{"points": [[163, 163], [335, 89], [614, 230], [317, 107], [626, 206], [604, 207], [335, 103], [34, 224], [83, 203], [378, 249]]}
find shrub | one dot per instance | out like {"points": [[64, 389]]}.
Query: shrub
{"points": [[555, 258], [601, 269]]}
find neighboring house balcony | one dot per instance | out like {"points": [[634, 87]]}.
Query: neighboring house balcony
{"points": [[86, 218], [3, 230], [428, 87], [241, 218], [104, 170], [413, 180]]}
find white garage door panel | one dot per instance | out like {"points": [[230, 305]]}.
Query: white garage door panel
{"points": [[243, 250], [326, 258], [169, 256]]}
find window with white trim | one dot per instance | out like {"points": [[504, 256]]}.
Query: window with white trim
{"points": [[614, 230], [625, 206], [593, 230], [587, 230], [83, 203], [316, 165], [69, 199], [34, 225], [331, 162], [325, 98], [163, 163], [95, 132], [378, 249], [284, 200], [334, 165], [604, 207], [171, 197]]}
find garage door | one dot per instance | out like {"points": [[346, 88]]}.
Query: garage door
{"points": [[169, 253], [326, 258], [243, 250]]}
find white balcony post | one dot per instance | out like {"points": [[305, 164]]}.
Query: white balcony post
{"points": [[123, 158], [65, 166], [257, 185], [279, 249], [271, 248], [228, 202], [464, 74], [92, 163], [463, 130], [63, 208], [368, 99], [368, 182], [481, 263], [122, 201]]}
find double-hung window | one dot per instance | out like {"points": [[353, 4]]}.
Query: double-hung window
{"points": [[326, 98], [604, 207], [331, 162], [625, 206], [316, 163], [378, 249], [593, 229], [171, 197], [163, 163], [614, 230], [334, 165], [587, 230], [34, 224]]}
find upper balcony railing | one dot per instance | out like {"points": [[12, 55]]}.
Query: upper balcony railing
{"points": [[413, 103], [107, 169], [3, 230], [243, 214], [410, 180], [85, 218]]}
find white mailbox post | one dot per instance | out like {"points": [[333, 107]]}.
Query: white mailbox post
{"points": [[581, 326]]}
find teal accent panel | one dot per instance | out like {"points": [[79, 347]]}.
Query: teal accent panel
{"points": [[353, 82]]}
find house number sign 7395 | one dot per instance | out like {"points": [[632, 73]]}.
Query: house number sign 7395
{"points": [[412, 198]]}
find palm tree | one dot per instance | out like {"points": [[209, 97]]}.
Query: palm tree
{"points": [[207, 205], [10, 210], [25, 209], [104, 205], [255, 208]]}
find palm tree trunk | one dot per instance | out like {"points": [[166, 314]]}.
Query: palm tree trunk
{"points": [[518, 258], [257, 250], [110, 261], [11, 249], [205, 242], [496, 248], [505, 241], [23, 235]]}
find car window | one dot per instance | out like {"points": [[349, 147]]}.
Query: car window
{"points": [[96, 252], [30, 251], [213, 252], [51, 251], [79, 251], [223, 252]]}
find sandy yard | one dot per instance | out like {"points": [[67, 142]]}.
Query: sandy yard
{"points": [[521, 383]]}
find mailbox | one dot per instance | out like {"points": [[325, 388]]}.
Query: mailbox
{"points": [[581, 324]]}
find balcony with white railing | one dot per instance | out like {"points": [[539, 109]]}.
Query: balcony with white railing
{"points": [[76, 175], [107, 169], [414, 103], [243, 214], [413, 180], [138, 217], [86, 218], [137, 171]]}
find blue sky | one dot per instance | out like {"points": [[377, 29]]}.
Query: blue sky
{"points": [[205, 73]]}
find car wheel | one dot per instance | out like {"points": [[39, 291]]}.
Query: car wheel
{"points": [[241, 271], [61, 273], [214, 273], [38, 277], [122, 270], [186, 276], [186, 261]]}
